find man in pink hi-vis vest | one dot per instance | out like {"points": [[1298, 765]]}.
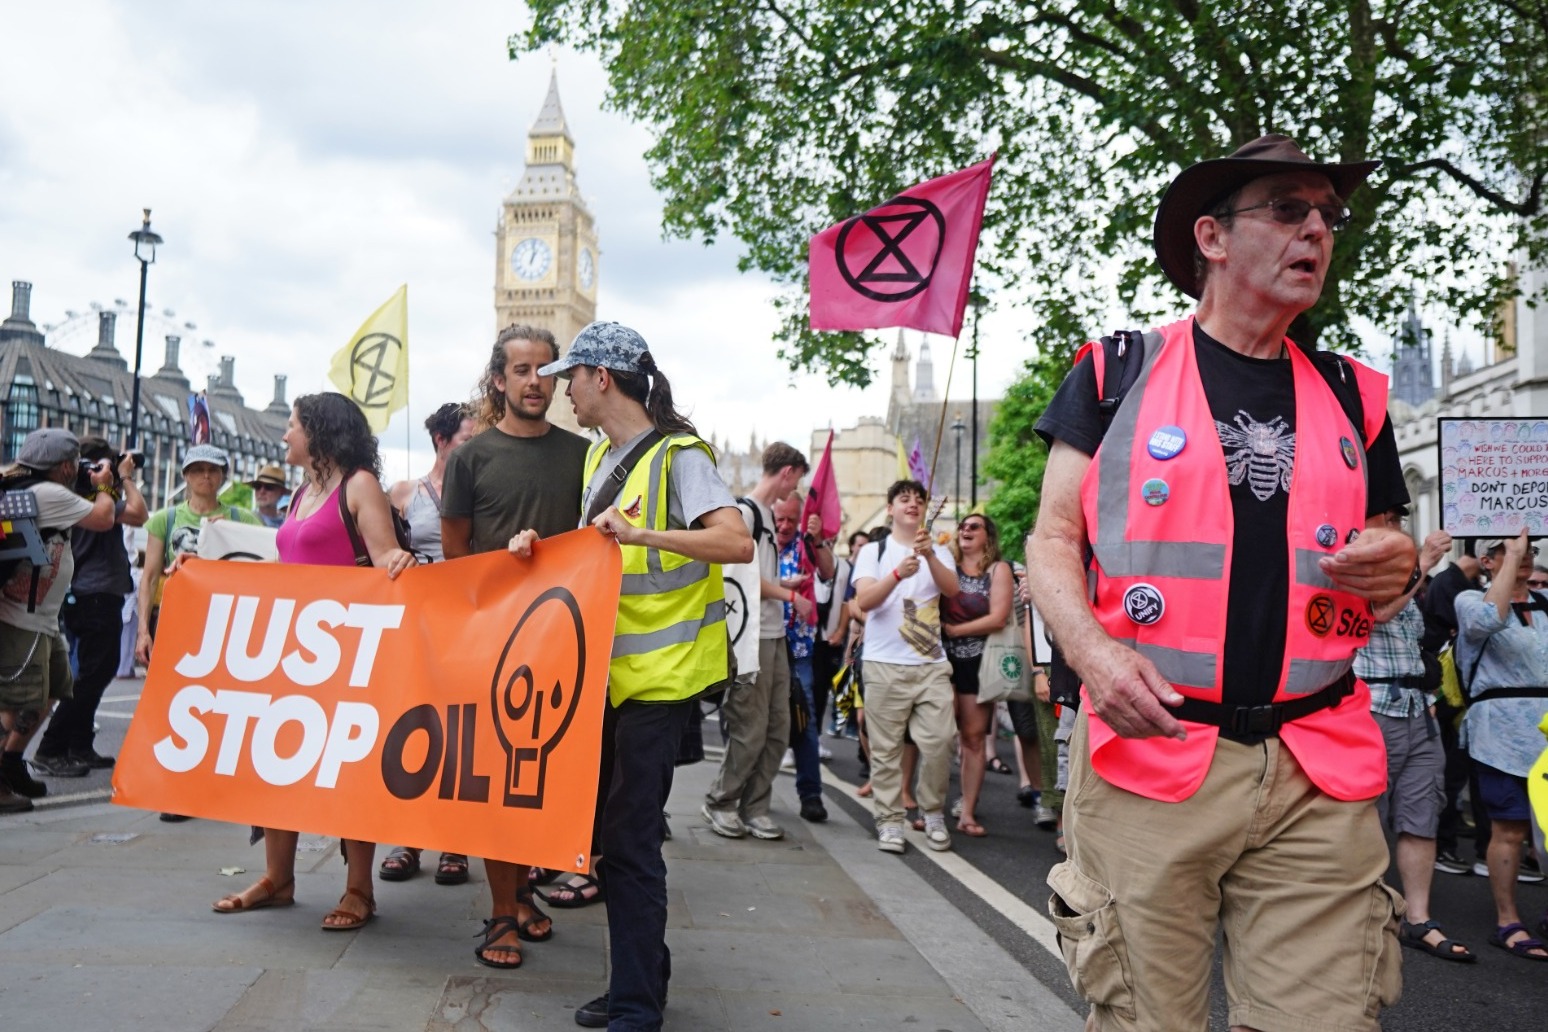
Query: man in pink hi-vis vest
{"points": [[1225, 762]]}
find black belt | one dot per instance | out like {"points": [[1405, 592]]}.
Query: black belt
{"points": [[1263, 720], [1414, 681]]}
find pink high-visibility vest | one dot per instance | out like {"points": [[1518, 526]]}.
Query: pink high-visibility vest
{"points": [[1158, 516]]}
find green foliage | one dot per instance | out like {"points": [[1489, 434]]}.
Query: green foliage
{"points": [[775, 118], [1016, 454]]}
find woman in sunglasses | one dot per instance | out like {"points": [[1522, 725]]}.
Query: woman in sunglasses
{"points": [[982, 607]]}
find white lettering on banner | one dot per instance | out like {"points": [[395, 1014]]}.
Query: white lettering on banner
{"points": [[313, 625], [326, 745]]}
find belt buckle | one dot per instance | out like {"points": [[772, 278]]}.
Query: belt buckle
{"points": [[1254, 720]]}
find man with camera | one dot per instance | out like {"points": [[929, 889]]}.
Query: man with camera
{"points": [[93, 617], [34, 665]]}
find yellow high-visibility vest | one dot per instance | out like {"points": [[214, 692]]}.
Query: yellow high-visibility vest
{"points": [[670, 640]]}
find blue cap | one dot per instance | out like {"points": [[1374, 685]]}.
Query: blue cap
{"points": [[607, 344]]}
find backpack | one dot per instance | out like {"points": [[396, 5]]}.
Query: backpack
{"points": [[1123, 356], [19, 510], [759, 531]]}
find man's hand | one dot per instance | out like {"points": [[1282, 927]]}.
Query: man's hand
{"points": [[836, 639], [616, 526], [923, 544], [1375, 566], [802, 605], [521, 543], [101, 474], [1434, 549], [908, 567], [1128, 691], [814, 526], [142, 648], [798, 581]]}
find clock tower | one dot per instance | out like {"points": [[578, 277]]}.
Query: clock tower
{"points": [[546, 242]]}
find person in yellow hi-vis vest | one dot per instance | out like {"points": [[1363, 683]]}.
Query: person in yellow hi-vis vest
{"points": [[651, 484]]}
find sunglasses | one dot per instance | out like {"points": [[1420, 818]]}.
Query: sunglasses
{"points": [[1538, 582], [1292, 211], [971, 526]]}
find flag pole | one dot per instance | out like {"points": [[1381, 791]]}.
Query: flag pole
{"points": [[940, 428]]}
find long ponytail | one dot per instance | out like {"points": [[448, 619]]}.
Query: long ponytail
{"points": [[650, 388]]}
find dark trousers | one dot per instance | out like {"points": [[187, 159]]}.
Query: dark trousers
{"points": [[827, 661], [96, 625], [639, 750]]}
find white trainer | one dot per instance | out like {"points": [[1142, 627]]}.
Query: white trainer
{"points": [[936, 835], [889, 839]]}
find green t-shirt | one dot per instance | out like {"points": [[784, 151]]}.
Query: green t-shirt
{"points": [[183, 535], [506, 484]]}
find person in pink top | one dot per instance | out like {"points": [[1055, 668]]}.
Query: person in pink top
{"points": [[328, 437]]}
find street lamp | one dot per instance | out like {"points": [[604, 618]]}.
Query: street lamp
{"points": [[145, 243], [957, 426]]}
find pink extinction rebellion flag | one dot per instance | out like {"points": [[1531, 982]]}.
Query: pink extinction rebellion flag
{"points": [[906, 263]]}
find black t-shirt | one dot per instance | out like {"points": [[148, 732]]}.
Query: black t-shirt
{"points": [[1440, 606], [1244, 394]]}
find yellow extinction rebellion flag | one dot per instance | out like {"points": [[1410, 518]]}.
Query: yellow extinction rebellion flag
{"points": [[372, 369]]}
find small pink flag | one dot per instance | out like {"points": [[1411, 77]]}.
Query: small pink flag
{"points": [[823, 496], [907, 263]]}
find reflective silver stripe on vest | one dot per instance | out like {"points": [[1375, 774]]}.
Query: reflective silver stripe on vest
{"points": [[656, 583], [657, 461], [684, 632], [1310, 675], [1195, 669], [1307, 571], [1120, 558]]}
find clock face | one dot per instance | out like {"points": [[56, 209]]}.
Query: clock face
{"points": [[588, 269], [531, 258]]}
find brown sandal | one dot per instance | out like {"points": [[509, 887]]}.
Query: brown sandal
{"points": [[270, 898], [350, 920]]}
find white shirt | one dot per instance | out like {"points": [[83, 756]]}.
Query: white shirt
{"points": [[906, 628]]}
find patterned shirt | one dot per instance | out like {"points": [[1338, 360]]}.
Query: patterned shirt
{"points": [[1502, 732], [1393, 651], [798, 632]]}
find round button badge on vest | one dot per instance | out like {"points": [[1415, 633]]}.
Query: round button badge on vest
{"points": [[1349, 538], [1143, 603], [1327, 535], [1167, 442], [1347, 447], [1155, 492]]}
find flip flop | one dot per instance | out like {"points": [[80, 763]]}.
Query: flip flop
{"points": [[498, 928], [972, 829], [452, 869], [574, 889], [399, 865], [347, 920], [271, 898], [524, 929]]}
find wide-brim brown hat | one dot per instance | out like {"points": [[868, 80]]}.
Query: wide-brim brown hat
{"points": [[1198, 188], [269, 475]]}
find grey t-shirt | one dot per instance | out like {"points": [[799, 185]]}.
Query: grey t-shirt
{"points": [[506, 484], [695, 484]]}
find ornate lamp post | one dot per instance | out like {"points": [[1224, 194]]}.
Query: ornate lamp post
{"points": [[145, 243], [957, 426]]}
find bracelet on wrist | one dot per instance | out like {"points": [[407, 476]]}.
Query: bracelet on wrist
{"points": [[897, 576]]}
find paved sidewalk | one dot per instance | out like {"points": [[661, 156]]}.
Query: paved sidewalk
{"points": [[105, 924]]}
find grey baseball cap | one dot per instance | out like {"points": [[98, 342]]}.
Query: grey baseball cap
{"points": [[207, 453], [47, 447], [607, 344]]}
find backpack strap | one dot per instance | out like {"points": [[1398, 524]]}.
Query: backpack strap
{"points": [[1343, 382], [356, 542], [1123, 356], [758, 529], [607, 492]]}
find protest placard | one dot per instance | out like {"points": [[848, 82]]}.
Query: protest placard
{"points": [[1493, 476], [458, 707]]}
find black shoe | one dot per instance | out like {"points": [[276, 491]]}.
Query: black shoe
{"points": [[1450, 863], [59, 766], [175, 818], [10, 802], [92, 759], [1529, 873], [593, 1014], [20, 782], [813, 810]]}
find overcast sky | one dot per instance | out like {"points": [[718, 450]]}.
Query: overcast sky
{"points": [[304, 159]]}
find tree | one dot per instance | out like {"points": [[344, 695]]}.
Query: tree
{"points": [[775, 118], [1016, 455]]}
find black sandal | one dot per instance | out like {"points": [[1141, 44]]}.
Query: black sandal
{"points": [[399, 865], [452, 869], [1412, 935], [498, 928], [575, 893], [999, 766], [524, 931], [542, 875]]}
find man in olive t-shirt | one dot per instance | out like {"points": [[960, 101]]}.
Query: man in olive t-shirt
{"points": [[521, 473]]}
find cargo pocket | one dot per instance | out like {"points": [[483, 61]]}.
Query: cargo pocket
{"points": [[1085, 915], [1387, 906]]}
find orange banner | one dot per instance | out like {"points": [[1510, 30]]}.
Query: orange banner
{"points": [[458, 707]]}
